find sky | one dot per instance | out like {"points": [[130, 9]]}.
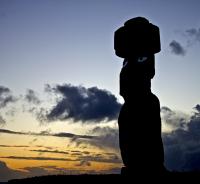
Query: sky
{"points": [[59, 84]]}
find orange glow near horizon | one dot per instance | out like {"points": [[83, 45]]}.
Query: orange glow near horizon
{"points": [[55, 148]]}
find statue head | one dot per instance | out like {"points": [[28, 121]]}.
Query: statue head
{"points": [[137, 38]]}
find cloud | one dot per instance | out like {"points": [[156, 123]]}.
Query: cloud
{"points": [[14, 146], [191, 37], [174, 119], [197, 113], [2, 121], [86, 160], [12, 132], [100, 158], [31, 97], [86, 152], [48, 170], [108, 137], [76, 154], [75, 151], [194, 34], [37, 158], [76, 103], [74, 138], [45, 133], [105, 138], [82, 104], [182, 145], [36, 171], [177, 48], [26, 146], [84, 163], [79, 158], [51, 151], [116, 170], [5, 96], [7, 173], [62, 134]]}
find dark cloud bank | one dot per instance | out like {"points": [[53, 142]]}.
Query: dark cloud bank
{"points": [[81, 104], [182, 145], [76, 103]]}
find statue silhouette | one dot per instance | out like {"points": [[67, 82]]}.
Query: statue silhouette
{"points": [[139, 119]]}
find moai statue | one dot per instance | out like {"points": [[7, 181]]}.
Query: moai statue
{"points": [[139, 119]]}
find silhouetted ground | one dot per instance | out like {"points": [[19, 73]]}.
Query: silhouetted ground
{"points": [[190, 177]]}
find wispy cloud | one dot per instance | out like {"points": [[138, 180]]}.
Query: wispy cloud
{"points": [[91, 158], [5, 96], [101, 158], [84, 163], [51, 151], [177, 48], [173, 119], [26, 146], [32, 97], [8, 173], [191, 36], [45, 133], [12, 132], [62, 134], [105, 138], [194, 34], [37, 158], [13, 146], [2, 120]]}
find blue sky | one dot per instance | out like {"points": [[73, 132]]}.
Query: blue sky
{"points": [[72, 42], [50, 44]]}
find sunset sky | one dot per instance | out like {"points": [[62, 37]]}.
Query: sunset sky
{"points": [[59, 84]]}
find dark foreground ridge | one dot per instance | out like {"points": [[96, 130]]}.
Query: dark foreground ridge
{"points": [[114, 178]]}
